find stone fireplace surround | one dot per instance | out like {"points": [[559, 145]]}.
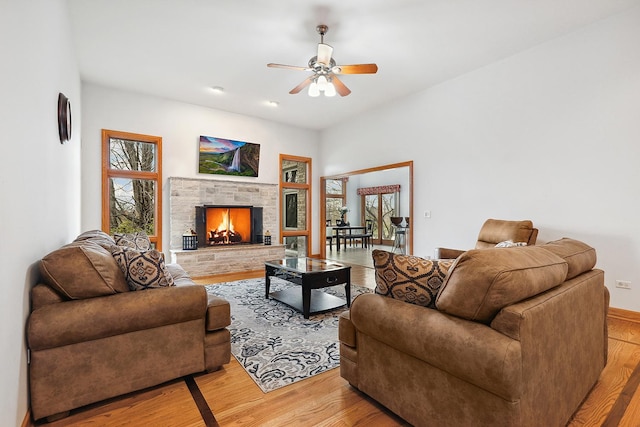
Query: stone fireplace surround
{"points": [[187, 193]]}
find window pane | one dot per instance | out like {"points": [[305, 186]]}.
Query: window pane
{"points": [[388, 210], [333, 209], [132, 205], [294, 209], [295, 246], [335, 186], [371, 212], [132, 155], [294, 171]]}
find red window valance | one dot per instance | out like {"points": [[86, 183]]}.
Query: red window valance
{"points": [[383, 189]]}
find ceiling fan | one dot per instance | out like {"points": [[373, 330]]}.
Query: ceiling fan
{"points": [[325, 71]]}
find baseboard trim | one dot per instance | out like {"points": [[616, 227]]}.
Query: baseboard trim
{"points": [[27, 422], [622, 314]]}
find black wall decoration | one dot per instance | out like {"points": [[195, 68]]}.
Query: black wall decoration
{"points": [[64, 118]]}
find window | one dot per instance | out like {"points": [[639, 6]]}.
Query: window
{"points": [[132, 184], [295, 204], [335, 198]]}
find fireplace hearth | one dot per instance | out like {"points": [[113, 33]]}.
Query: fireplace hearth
{"points": [[221, 225]]}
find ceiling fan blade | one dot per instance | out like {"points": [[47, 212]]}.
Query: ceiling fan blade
{"points": [[355, 69], [324, 53], [302, 85], [288, 67], [340, 87]]}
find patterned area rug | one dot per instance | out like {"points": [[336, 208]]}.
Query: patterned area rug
{"points": [[273, 342]]}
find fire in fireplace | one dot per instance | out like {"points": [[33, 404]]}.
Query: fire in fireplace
{"points": [[228, 225]]}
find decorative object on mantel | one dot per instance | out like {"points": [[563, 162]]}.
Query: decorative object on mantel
{"points": [[228, 157], [64, 118], [273, 342], [267, 238], [189, 240]]}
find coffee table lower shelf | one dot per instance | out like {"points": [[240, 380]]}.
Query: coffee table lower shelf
{"points": [[320, 301]]}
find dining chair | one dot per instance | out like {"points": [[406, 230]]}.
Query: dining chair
{"points": [[368, 233], [329, 234]]}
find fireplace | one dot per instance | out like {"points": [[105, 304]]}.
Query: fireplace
{"points": [[219, 225]]}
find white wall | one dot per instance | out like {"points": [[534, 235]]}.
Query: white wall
{"points": [[551, 134], [39, 177], [180, 126]]}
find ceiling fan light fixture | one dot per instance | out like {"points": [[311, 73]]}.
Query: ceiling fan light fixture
{"points": [[314, 91], [322, 83], [330, 90]]}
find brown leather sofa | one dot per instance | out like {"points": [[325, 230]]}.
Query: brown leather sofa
{"points": [[518, 338], [90, 338], [495, 231]]}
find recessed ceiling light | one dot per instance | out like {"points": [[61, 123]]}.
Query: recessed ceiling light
{"points": [[273, 103], [217, 89]]}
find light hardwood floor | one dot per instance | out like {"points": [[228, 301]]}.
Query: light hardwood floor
{"points": [[233, 399], [355, 255]]}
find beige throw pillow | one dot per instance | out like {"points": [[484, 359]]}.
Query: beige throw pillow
{"points": [[510, 244]]}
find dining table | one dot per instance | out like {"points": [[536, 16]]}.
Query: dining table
{"points": [[345, 232]]}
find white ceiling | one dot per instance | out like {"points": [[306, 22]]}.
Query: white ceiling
{"points": [[179, 49]]}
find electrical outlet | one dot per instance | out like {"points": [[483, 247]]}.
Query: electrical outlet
{"points": [[427, 214], [623, 284]]}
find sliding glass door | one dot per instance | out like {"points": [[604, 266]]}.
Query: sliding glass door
{"points": [[379, 208]]}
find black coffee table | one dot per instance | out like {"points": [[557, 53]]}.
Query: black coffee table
{"points": [[311, 274]]}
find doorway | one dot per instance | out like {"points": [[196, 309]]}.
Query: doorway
{"points": [[339, 193]]}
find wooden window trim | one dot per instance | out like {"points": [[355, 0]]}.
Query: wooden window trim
{"points": [[156, 176], [296, 186]]}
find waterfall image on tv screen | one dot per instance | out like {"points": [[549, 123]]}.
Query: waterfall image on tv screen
{"points": [[228, 157]]}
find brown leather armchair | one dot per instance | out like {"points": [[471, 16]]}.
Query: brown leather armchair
{"points": [[518, 336], [494, 231]]}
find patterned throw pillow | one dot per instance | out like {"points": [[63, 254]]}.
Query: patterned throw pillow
{"points": [[142, 269], [139, 240], [409, 278]]}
